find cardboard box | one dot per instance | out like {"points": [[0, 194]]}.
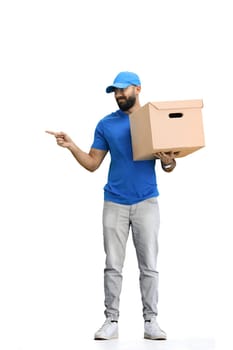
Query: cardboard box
{"points": [[167, 126]]}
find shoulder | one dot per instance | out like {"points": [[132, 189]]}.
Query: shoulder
{"points": [[108, 119], [110, 116]]}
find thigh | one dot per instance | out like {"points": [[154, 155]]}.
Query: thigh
{"points": [[115, 232], [145, 229], [145, 217]]}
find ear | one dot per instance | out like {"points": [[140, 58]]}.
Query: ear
{"points": [[138, 89]]}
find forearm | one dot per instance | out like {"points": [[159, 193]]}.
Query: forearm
{"points": [[83, 158]]}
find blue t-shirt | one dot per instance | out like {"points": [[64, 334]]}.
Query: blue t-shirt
{"points": [[129, 181]]}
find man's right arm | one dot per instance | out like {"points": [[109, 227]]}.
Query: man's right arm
{"points": [[90, 161]]}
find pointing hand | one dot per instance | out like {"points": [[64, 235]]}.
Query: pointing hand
{"points": [[62, 139]]}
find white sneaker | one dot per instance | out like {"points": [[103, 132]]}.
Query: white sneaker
{"points": [[152, 330], [108, 331]]}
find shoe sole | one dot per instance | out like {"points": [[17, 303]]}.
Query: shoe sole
{"points": [[154, 338], [101, 338]]}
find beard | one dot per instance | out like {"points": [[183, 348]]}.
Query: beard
{"points": [[125, 103]]}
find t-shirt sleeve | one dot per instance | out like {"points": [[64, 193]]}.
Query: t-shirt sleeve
{"points": [[100, 141]]}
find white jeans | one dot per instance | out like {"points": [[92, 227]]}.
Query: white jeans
{"points": [[143, 218]]}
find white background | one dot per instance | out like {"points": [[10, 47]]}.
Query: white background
{"points": [[57, 57]]}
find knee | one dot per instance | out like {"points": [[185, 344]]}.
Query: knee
{"points": [[113, 264]]}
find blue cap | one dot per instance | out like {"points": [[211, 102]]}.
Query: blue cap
{"points": [[123, 80]]}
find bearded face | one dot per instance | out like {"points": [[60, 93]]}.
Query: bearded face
{"points": [[125, 100]]}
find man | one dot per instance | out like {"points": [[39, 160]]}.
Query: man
{"points": [[130, 202]]}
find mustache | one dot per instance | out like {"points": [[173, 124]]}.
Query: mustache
{"points": [[121, 98]]}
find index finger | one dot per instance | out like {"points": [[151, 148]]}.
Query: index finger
{"points": [[51, 132]]}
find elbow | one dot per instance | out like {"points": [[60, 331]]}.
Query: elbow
{"points": [[92, 168]]}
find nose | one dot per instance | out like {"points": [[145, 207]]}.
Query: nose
{"points": [[119, 92]]}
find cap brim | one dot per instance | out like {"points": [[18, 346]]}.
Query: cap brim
{"points": [[111, 88]]}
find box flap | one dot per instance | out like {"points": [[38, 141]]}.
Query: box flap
{"points": [[177, 104]]}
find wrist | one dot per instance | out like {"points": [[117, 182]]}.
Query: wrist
{"points": [[71, 146], [169, 166], [167, 163]]}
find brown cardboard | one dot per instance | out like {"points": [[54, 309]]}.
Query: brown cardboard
{"points": [[167, 126]]}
